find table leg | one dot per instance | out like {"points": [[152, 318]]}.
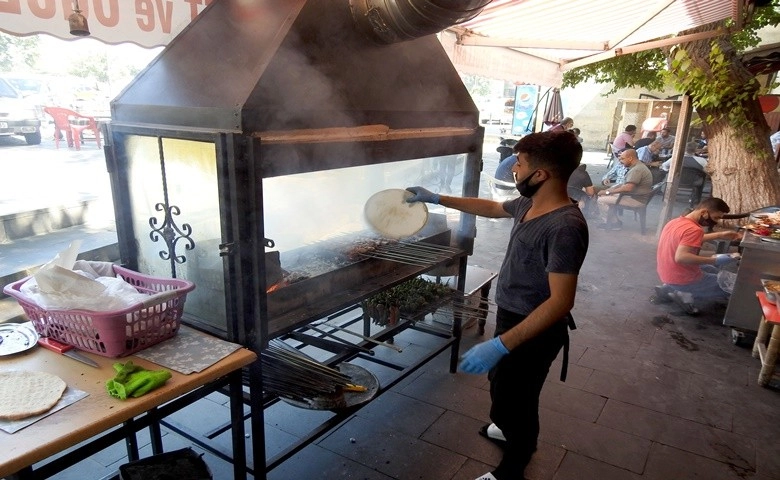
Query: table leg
{"points": [[155, 434], [483, 304], [131, 442], [768, 364], [237, 423], [762, 336]]}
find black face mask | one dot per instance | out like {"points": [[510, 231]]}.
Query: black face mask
{"points": [[527, 190], [707, 222]]}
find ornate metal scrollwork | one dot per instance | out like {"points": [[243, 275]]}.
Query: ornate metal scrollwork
{"points": [[171, 233], [168, 230]]}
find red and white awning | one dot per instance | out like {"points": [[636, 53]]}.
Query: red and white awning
{"points": [[531, 41], [148, 23]]}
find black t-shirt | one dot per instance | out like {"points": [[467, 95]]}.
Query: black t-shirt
{"points": [[554, 242], [643, 142], [579, 179]]}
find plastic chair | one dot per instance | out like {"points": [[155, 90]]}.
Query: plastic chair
{"points": [[692, 179], [641, 210], [73, 124]]}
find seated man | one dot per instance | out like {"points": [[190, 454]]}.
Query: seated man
{"points": [[638, 182], [504, 170], [666, 138], [624, 140], [580, 187], [689, 277], [690, 159], [615, 175], [645, 141], [649, 153], [702, 148]]}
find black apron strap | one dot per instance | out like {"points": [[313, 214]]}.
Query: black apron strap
{"points": [[565, 364]]}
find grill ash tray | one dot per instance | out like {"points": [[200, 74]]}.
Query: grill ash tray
{"points": [[341, 400]]}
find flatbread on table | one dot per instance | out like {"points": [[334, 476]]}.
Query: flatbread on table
{"points": [[25, 394]]}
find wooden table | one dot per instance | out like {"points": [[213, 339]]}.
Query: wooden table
{"points": [[766, 347], [99, 412]]}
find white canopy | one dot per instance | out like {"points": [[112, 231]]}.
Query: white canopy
{"points": [[531, 41], [564, 34]]}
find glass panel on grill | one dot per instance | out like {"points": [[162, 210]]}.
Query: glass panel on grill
{"points": [[316, 219], [184, 185]]}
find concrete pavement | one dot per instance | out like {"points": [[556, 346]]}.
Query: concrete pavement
{"points": [[651, 394]]}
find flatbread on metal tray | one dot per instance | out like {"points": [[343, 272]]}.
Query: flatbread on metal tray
{"points": [[25, 394]]}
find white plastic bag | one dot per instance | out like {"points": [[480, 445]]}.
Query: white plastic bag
{"points": [[89, 286], [726, 280]]}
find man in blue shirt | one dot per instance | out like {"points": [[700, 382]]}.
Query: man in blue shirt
{"points": [[504, 170]]}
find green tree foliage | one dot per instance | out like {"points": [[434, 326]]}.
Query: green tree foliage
{"points": [[648, 69], [724, 94], [641, 69], [15, 51], [476, 85], [94, 66]]}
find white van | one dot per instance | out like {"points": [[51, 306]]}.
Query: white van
{"points": [[496, 111], [17, 115]]}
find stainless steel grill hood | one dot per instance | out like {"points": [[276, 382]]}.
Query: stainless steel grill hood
{"points": [[296, 65]]}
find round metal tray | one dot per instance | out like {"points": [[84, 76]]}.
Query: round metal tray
{"points": [[17, 337], [359, 376]]}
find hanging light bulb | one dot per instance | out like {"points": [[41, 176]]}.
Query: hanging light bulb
{"points": [[78, 22]]}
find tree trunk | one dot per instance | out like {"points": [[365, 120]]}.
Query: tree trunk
{"points": [[744, 179]]}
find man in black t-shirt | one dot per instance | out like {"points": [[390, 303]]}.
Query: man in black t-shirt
{"points": [[645, 141], [580, 186], [535, 290]]}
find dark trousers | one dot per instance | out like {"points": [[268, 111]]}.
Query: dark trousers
{"points": [[515, 385]]}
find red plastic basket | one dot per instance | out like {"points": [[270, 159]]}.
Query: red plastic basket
{"points": [[115, 333]]}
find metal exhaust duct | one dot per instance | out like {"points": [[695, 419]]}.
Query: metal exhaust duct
{"points": [[392, 21]]}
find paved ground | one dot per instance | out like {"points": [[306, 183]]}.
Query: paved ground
{"points": [[651, 394]]}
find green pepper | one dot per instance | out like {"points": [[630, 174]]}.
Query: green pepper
{"points": [[134, 381]]}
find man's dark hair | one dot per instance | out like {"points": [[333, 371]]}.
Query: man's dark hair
{"points": [[557, 152], [714, 204], [652, 134], [631, 128], [668, 130]]}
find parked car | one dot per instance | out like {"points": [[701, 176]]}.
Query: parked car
{"points": [[81, 95], [17, 115], [34, 88]]}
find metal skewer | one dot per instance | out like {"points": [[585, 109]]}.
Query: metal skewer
{"points": [[433, 246], [341, 340], [396, 258], [368, 339]]}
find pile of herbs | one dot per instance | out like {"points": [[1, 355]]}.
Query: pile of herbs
{"points": [[411, 299]]}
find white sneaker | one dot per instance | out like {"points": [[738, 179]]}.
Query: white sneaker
{"points": [[495, 433], [487, 476]]}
